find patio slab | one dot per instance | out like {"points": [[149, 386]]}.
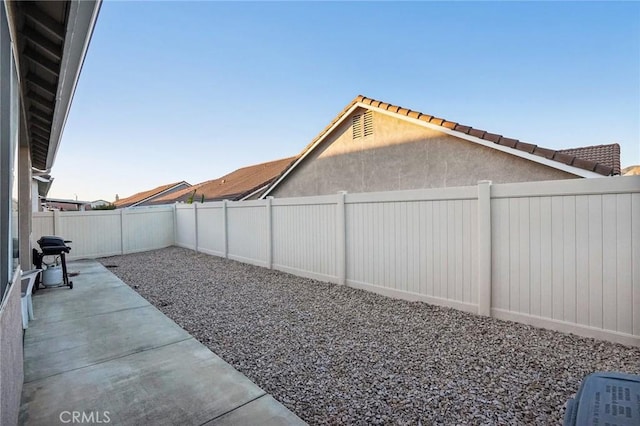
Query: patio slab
{"points": [[107, 354]]}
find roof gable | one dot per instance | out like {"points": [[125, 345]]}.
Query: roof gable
{"points": [[569, 162]]}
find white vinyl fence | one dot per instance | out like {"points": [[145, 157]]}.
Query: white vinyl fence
{"points": [[101, 233], [563, 254]]}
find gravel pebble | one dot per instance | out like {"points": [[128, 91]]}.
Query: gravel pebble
{"points": [[337, 355]]}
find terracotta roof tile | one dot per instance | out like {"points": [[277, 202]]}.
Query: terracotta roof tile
{"points": [[449, 125], [403, 111], [426, 117], [492, 137], [414, 114], [544, 152], [511, 143], [603, 169], [477, 133], [436, 121], [462, 129], [563, 158], [608, 155], [523, 146], [584, 164]]}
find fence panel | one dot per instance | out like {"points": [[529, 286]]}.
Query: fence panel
{"points": [[94, 233], [304, 238], [421, 250], [185, 226], [211, 234], [247, 232], [41, 224], [563, 256], [147, 228]]}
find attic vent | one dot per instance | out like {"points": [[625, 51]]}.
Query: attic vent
{"points": [[368, 123], [357, 126], [362, 125]]}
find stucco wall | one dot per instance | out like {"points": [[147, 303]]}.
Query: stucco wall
{"points": [[402, 155], [11, 364]]}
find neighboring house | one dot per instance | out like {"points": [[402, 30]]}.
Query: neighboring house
{"points": [[631, 171], [247, 182], [146, 197], [100, 203], [65, 205], [374, 146]]}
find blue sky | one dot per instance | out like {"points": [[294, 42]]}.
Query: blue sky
{"points": [[175, 91]]}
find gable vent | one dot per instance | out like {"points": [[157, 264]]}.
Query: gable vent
{"points": [[357, 126], [362, 125], [368, 123]]}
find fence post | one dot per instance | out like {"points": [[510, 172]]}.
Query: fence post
{"points": [[484, 247], [56, 222], [341, 239], [195, 225], [269, 205], [122, 233], [226, 228], [175, 223]]}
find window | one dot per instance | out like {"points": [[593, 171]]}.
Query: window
{"points": [[9, 121]]}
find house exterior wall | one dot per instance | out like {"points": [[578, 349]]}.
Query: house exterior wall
{"points": [[11, 367], [402, 155]]}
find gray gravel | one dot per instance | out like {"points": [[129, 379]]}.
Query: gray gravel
{"points": [[336, 355]]}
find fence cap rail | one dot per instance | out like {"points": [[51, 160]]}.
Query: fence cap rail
{"points": [[428, 194], [605, 185]]}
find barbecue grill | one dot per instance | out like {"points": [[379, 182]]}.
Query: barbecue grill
{"points": [[53, 246]]}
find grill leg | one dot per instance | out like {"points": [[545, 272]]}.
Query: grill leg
{"points": [[65, 277], [37, 262]]}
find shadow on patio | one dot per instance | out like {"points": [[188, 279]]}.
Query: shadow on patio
{"points": [[103, 352]]}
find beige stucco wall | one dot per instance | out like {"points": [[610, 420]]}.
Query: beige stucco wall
{"points": [[403, 155], [11, 366]]}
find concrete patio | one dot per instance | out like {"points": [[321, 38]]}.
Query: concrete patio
{"points": [[102, 351]]}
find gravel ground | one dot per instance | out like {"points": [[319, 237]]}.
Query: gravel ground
{"points": [[336, 355]]}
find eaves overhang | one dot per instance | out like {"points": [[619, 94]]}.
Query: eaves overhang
{"points": [[50, 41]]}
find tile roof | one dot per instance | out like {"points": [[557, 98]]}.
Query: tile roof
{"points": [[141, 196], [594, 165], [232, 186], [608, 155]]}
